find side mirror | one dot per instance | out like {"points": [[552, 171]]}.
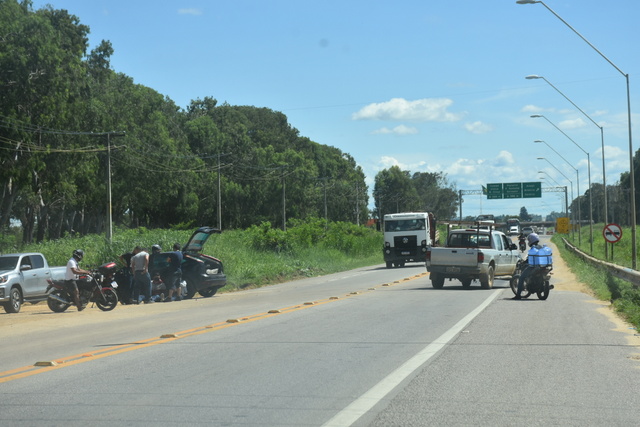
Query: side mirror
{"points": [[25, 267], [514, 247]]}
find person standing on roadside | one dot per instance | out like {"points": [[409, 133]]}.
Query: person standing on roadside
{"points": [[125, 282], [173, 274], [71, 275], [141, 277]]}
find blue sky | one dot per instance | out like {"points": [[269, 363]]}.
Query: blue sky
{"points": [[430, 86]]}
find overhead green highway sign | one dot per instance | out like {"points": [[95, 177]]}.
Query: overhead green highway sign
{"points": [[494, 191], [514, 190]]}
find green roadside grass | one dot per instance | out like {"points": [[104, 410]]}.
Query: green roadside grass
{"points": [[624, 297], [252, 258]]}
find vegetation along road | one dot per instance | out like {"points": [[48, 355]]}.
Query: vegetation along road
{"points": [[371, 346]]}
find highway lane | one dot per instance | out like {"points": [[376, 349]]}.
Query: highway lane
{"points": [[310, 363]]}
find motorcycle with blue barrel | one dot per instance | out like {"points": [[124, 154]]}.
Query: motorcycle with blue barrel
{"points": [[536, 270]]}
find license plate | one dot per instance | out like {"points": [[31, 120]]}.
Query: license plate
{"points": [[406, 253], [453, 269]]}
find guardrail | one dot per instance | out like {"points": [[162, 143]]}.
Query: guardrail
{"points": [[630, 275]]}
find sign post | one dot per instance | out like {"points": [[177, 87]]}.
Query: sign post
{"points": [[612, 233]]}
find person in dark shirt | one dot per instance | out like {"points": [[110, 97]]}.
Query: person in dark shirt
{"points": [[173, 273]]}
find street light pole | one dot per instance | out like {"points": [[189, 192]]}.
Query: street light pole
{"points": [[566, 210], [604, 173], [634, 249], [537, 141], [579, 195], [570, 182]]}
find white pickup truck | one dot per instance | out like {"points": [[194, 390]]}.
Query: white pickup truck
{"points": [[471, 254], [23, 277]]}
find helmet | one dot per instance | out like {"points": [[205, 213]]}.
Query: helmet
{"points": [[78, 254], [533, 238], [156, 248]]}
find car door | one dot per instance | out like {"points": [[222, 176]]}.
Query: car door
{"points": [[512, 256], [499, 253], [34, 278]]}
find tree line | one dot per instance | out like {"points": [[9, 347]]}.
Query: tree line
{"points": [[66, 117]]}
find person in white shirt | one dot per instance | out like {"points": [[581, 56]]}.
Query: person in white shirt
{"points": [[71, 275]]}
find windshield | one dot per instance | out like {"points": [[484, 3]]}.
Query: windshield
{"points": [[404, 225], [8, 263]]}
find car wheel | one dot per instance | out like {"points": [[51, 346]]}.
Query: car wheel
{"points": [[437, 281], [15, 301], [191, 290], [209, 292], [487, 280]]}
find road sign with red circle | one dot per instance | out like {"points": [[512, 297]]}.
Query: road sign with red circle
{"points": [[612, 233]]}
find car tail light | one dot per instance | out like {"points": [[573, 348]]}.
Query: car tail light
{"points": [[480, 257]]}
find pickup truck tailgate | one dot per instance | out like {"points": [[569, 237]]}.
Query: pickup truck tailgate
{"points": [[458, 257]]}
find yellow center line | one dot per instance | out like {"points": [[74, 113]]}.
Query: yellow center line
{"points": [[47, 366]]}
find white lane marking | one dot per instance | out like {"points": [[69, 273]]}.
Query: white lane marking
{"points": [[364, 403]]}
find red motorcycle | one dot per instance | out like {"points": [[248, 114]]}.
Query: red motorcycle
{"points": [[98, 287]]}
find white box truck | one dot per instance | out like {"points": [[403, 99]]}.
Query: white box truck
{"points": [[407, 236]]}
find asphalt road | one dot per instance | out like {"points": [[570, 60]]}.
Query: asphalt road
{"points": [[371, 346]]}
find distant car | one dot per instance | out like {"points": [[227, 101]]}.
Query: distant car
{"points": [[527, 230], [514, 230]]}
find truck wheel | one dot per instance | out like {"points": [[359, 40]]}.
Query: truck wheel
{"points": [[466, 282], [389, 264], [15, 301], [437, 281], [486, 281]]}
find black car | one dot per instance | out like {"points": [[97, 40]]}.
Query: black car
{"points": [[202, 273]]}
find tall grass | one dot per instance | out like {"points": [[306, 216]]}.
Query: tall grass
{"points": [[254, 257], [622, 294]]}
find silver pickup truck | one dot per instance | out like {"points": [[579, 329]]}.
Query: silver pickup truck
{"points": [[471, 254], [23, 277]]}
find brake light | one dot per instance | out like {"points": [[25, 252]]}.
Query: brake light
{"points": [[428, 256], [480, 257]]}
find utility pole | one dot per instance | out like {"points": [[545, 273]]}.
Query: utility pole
{"points": [[109, 233], [219, 198]]}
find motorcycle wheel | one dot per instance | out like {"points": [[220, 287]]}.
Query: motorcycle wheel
{"points": [[544, 293], [110, 300], [55, 305], [513, 283]]}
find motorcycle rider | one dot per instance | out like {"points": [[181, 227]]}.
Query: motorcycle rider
{"points": [[521, 239], [533, 240], [71, 275]]}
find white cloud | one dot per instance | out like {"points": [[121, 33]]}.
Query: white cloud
{"points": [[532, 109], [478, 127], [398, 130], [399, 109], [572, 124], [191, 11]]}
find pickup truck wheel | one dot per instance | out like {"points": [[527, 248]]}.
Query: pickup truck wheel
{"points": [[15, 301], [389, 264], [437, 281], [487, 280], [209, 292]]}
